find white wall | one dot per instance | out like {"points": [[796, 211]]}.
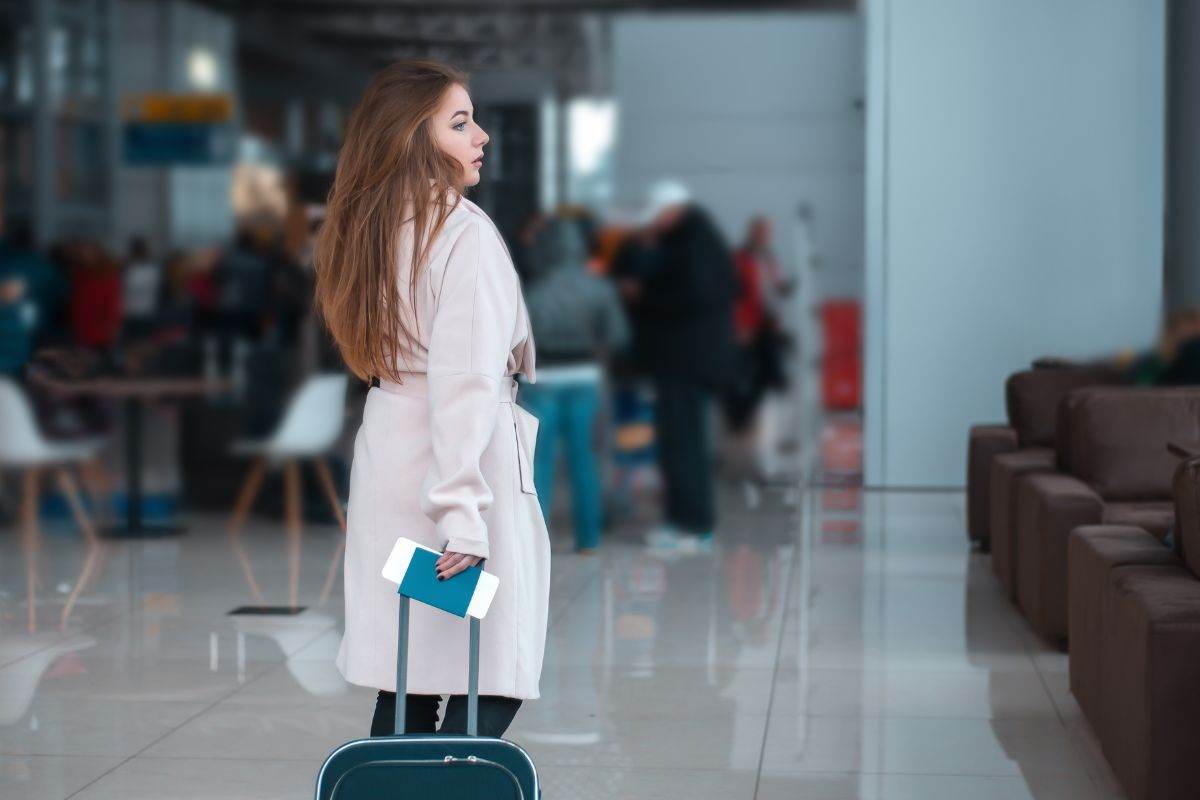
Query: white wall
{"points": [[756, 113], [1014, 207]]}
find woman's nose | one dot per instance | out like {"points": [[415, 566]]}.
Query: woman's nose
{"points": [[483, 138]]}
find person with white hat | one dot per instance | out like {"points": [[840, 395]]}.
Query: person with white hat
{"points": [[681, 284]]}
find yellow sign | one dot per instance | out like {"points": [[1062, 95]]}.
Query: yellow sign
{"points": [[196, 108]]}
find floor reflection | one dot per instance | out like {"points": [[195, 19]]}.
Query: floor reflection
{"points": [[837, 643]]}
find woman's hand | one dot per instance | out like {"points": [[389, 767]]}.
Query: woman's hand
{"points": [[450, 564]]}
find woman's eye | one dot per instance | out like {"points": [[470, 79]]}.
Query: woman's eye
{"points": [[460, 126]]}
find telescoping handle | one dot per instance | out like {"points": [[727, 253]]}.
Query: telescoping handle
{"points": [[402, 673]]}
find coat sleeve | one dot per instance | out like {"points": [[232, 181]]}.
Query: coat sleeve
{"points": [[473, 323]]}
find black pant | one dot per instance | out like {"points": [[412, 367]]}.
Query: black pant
{"points": [[684, 453], [421, 714]]}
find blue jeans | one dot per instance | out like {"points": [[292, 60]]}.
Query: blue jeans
{"points": [[567, 412]]}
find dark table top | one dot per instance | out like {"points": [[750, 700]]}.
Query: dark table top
{"points": [[140, 387]]}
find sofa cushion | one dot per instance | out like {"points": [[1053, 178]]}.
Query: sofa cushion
{"points": [[1155, 517], [1032, 397], [1119, 435]]}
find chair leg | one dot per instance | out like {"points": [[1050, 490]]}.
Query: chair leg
{"points": [[8, 505], [292, 504], [247, 570], [85, 577], [97, 483], [335, 502], [331, 576], [67, 484], [29, 541], [249, 492]]}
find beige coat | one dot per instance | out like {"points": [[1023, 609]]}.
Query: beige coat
{"points": [[446, 459]]}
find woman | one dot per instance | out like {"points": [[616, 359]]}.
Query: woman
{"points": [[420, 294]]}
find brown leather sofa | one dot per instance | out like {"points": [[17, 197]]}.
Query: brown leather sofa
{"points": [[1117, 472], [1031, 399], [1134, 618]]}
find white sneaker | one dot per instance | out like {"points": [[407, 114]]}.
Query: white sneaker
{"points": [[670, 541], [664, 536]]}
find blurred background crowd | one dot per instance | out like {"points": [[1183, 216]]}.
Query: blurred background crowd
{"points": [[165, 169]]}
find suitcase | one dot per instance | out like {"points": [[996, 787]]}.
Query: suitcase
{"points": [[420, 766]]}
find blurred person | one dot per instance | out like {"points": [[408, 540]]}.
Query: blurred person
{"points": [[95, 296], [16, 325], [143, 284], [416, 286], [609, 240], [241, 284], [198, 272], [578, 320], [762, 344], [289, 296], [759, 338], [679, 278], [589, 230], [1174, 362], [760, 281], [522, 251], [31, 291], [1179, 355]]}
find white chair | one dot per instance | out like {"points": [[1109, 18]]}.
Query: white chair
{"points": [[309, 430], [22, 447], [22, 444]]}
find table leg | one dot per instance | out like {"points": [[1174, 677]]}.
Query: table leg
{"points": [[134, 528], [133, 464]]}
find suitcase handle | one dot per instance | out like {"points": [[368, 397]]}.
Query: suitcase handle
{"points": [[402, 673]]}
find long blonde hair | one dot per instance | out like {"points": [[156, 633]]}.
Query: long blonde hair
{"points": [[390, 172]]}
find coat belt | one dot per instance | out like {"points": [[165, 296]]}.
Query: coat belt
{"points": [[416, 384]]}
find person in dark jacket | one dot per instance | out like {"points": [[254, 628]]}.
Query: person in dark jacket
{"points": [[31, 294], [680, 280], [577, 322]]}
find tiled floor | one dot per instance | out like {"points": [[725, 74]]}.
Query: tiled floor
{"points": [[837, 644]]}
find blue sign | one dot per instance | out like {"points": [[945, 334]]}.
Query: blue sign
{"points": [[165, 144]]}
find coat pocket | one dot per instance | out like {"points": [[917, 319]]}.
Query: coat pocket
{"points": [[526, 427]]}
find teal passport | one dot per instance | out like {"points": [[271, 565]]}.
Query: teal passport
{"points": [[452, 595]]}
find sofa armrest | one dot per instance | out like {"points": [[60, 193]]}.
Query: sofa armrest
{"points": [[985, 443], [1094, 554], [1150, 685], [1049, 505]]}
